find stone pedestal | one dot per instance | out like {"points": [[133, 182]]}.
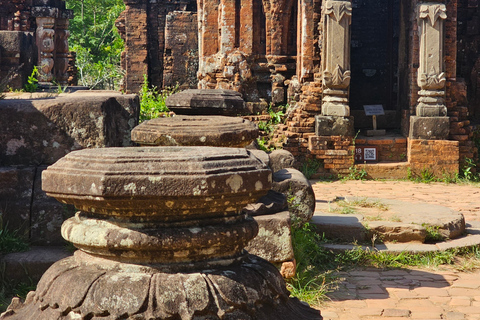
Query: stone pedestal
{"points": [[430, 128], [161, 236], [214, 131], [334, 126], [207, 102]]}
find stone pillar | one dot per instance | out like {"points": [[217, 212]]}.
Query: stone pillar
{"points": [[335, 119], [431, 121], [61, 51], [431, 76], [336, 57], [45, 46]]}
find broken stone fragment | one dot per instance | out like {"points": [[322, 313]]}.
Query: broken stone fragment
{"points": [[299, 192]]}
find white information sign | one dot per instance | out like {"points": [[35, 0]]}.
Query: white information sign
{"points": [[373, 110]]}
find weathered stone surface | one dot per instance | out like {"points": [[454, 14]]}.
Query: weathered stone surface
{"points": [[430, 128], [398, 232], [271, 203], [16, 185], [47, 215], [181, 50], [135, 254], [182, 183], [299, 192], [333, 126], [273, 242], [281, 159], [32, 263], [260, 154], [207, 102], [338, 226], [41, 131], [250, 290], [215, 131], [17, 50]]}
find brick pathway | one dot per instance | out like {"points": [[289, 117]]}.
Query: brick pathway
{"points": [[424, 294]]}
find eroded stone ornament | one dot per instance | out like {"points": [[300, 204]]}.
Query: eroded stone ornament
{"points": [[161, 236], [217, 131]]}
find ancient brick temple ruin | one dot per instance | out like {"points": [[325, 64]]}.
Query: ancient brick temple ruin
{"points": [[34, 33], [418, 59]]}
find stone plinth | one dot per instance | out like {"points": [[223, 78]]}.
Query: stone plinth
{"points": [[430, 128], [333, 126], [207, 102], [161, 236], [216, 131]]}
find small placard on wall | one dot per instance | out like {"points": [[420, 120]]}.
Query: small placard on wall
{"points": [[366, 154], [374, 110]]}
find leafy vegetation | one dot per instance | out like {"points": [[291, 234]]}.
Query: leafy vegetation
{"points": [[267, 128], [11, 241], [96, 41], [10, 289], [32, 81], [152, 101], [310, 167]]}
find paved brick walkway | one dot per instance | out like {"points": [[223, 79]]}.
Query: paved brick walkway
{"points": [[406, 293]]}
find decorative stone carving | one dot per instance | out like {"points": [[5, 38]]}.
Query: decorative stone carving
{"points": [[161, 236], [431, 72], [61, 51], [336, 57], [46, 47]]}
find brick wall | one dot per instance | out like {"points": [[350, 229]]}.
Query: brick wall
{"points": [[439, 157]]}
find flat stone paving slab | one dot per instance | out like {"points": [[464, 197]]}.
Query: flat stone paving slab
{"points": [[426, 293], [391, 220]]}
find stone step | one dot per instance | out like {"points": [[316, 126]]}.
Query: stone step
{"points": [[31, 265], [385, 170], [397, 221]]}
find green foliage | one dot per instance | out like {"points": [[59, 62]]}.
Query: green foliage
{"points": [[96, 41], [310, 167], [32, 81], [433, 233], [10, 289], [468, 171], [152, 101], [356, 174], [11, 241], [313, 277], [267, 128]]}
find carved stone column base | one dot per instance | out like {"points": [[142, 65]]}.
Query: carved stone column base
{"points": [[431, 103], [334, 126], [429, 128], [335, 103], [251, 289]]}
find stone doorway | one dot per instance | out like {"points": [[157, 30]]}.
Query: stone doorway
{"points": [[374, 59]]}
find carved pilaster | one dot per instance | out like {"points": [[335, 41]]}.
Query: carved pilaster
{"points": [[46, 47], [431, 76], [61, 51], [336, 57]]}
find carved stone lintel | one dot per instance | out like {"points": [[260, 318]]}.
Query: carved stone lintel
{"points": [[46, 47], [336, 57], [431, 76]]}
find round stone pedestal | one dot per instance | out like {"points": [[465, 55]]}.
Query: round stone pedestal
{"points": [[161, 236]]}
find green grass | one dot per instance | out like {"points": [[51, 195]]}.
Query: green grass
{"points": [[10, 289], [11, 241], [317, 266]]}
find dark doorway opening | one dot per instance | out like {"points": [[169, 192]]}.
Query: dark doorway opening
{"points": [[374, 55]]}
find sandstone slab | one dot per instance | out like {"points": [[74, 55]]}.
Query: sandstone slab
{"points": [[207, 102], [41, 131], [181, 130]]}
